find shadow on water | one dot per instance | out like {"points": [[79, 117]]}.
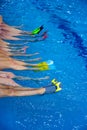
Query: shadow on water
{"points": [[74, 39], [69, 34]]}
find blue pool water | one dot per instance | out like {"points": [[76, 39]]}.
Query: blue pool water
{"points": [[66, 45]]}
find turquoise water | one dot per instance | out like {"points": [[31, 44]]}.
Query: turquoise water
{"points": [[66, 45]]}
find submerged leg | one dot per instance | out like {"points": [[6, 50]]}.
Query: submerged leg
{"points": [[23, 54], [31, 60], [29, 78]]}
